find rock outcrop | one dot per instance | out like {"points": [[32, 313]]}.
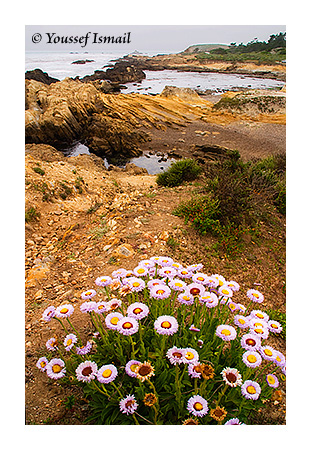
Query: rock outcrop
{"points": [[121, 72], [39, 75]]}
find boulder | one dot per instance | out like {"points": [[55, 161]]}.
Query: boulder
{"points": [[182, 93]]}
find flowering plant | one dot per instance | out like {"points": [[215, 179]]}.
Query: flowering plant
{"points": [[169, 347]]}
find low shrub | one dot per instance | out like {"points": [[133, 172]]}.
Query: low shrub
{"points": [[169, 347], [180, 171]]}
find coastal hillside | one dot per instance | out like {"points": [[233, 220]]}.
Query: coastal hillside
{"points": [[197, 48], [88, 215]]}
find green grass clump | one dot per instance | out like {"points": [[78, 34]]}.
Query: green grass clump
{"points": [[31, 214], [180, 171]]}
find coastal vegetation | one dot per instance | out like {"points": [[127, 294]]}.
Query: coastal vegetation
{"points": [[234, 198], [272, 51]]}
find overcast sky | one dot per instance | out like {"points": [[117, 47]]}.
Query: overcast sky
{"points": [[157, 38]]}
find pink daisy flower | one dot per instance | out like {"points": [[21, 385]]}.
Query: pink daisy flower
{"points": [[86, 371], [128, 405], [160, 292], [88, 294], [127, 326], [103, 281], [41, 363], [197, 406], [226, 332], [49, 313], [250, 390], [131, 366], [56, 369], [251, 359], [70, 341], [176, 355], [272, 380], [166, 325], [137, 310], [107, 373], [255, 296]]}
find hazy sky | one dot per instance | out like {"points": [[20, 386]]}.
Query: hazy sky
{"points": [[142, 37]]}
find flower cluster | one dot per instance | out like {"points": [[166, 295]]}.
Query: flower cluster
{"points": [[170, 345]]}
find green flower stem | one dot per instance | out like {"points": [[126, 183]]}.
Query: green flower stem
{"points": [[221, 394], [155, 414], [135, 420], [133, 347], [248, 306], [107, 292], [152, 387], [162, 345], [97, 324], [76, 331], [61, 322], [177, 385], [117, 389], [102, 391], [173, 298], [196, 386], [263, 368]]}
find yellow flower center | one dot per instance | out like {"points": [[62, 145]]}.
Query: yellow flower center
{"points": [[69, 342], [198, 406], [225, 291], [166, 324], [64, 310], [250, 342], [100, 307], [114, 320], [189, 356], [274, 326], [258, 324], [259, 315], [136, 284], [271, 380], [251, 358], [42, 363], [268, 352], [140, 270], [258, 330], [251, 390], [137, 310], [241, 321], [56, 368], [106, 373], [178, 284], [226, 332], [133, 367], [127, 325], [200, 278], [256, 295], [160, 291]]}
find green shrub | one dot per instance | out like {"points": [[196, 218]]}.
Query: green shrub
{"points": [[202, 212], [38, 170], [180, 171]]}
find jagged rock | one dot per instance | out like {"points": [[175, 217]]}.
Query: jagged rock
{"points": [[182, 93], [82, 61], [121, 72], [39, 75]]}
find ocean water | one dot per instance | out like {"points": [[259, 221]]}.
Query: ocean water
{"points": [[59, 65]]}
